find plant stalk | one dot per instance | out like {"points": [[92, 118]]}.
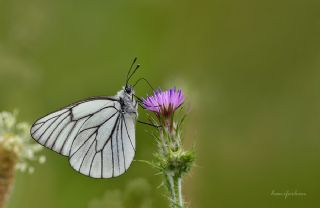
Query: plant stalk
{"points": [[7, 173], [175, 189], [173, 176]]}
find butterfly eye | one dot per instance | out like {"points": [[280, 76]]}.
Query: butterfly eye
{"points": [[128, 90]]}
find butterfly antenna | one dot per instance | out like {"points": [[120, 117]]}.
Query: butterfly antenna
{"points": [[134, 71], [144, 79], [128, 75]]}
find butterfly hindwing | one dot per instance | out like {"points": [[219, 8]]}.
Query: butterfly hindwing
{"points": [[106, 150]]}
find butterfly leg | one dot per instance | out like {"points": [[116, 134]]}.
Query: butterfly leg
{"points": [[141, 106], [150, 124]]}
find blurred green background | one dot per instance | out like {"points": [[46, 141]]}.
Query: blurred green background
{"points": [[250, 69]]}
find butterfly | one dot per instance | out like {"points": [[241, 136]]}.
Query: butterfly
{"points": [[97, 134]]}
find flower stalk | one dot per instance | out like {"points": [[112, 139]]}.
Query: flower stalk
{"points": [[172, 160], [7, 171], [16, 151]]}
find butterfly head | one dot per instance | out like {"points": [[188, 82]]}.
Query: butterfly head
{"points": [[128, 89], [126, 99], [127, 93]]}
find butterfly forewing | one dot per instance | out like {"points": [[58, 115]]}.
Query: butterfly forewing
{"points": [[96, 135]]}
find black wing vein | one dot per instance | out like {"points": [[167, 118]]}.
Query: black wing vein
{"points": [[124, 157], [55, 128], [125, 125], [49, 127]]}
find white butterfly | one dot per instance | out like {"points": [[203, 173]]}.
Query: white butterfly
{"points": [[97, 134]]}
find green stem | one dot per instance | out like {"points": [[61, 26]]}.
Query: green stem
{"points": [[175, 189], [174, 162], [179, 191]]}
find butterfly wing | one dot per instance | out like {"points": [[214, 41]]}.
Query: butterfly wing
{"points": [[93, 133], [105, 150]]}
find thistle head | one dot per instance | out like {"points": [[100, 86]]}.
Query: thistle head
{"points": [[164, 103]]}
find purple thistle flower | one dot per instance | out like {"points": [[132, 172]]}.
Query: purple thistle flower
{"points": [[164, 102]]}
